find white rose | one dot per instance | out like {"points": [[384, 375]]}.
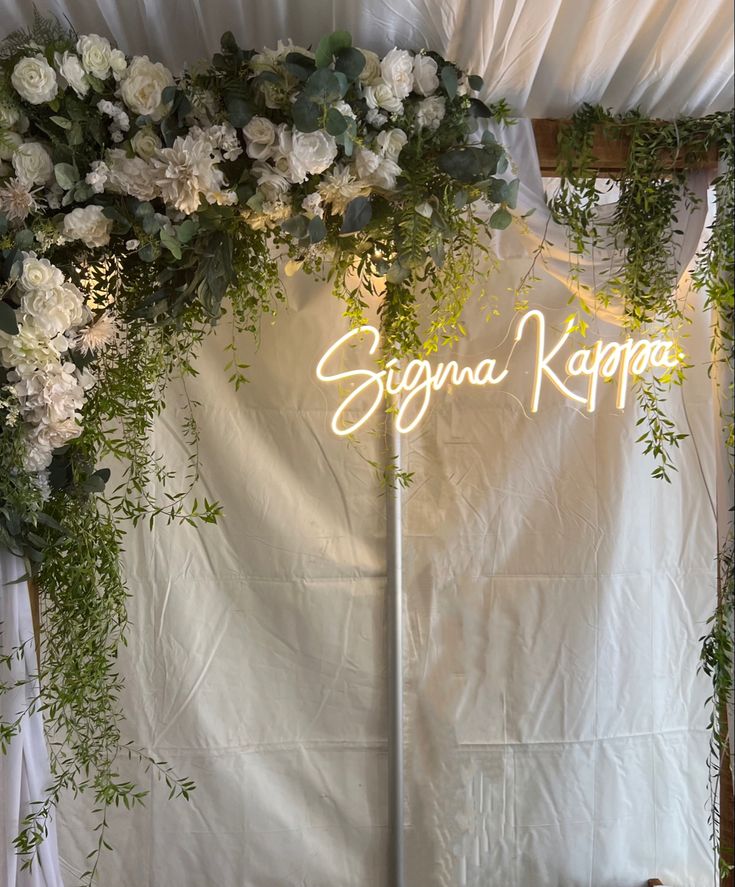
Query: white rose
{"points": [[95, 52], [382, 96], [260, 137], [39, 274], [9, 114], [376, 118], [88, 224], [430, 112], [391, 142], [370, 74], [143, 86], [311, 153], [54, 311], [9, 142], [425, 81], [272, 183], [463, 85], [32, 163], [35, 80], [397, 71], [386, 175], [145, 143], [366, 162], [71, 70], [118, 63]]}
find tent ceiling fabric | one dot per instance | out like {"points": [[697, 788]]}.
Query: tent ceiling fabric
{"points": [[546, 57]]}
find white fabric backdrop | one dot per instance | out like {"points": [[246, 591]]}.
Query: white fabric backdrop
{"points": [[555, 597], [24, 772], [556, 593]]}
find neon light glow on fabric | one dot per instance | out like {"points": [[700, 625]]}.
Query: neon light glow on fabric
{"points": [[418, 379]]}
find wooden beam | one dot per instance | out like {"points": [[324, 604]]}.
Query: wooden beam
{"points": [[611, 154], [35, 599]]}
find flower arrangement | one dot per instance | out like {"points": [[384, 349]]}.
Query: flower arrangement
{"points": [[137, 210]]}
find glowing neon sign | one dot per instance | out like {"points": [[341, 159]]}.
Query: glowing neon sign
{"points": [[418, 379]]}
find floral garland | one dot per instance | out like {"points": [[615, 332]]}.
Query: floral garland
{"points": [[133, 203]]}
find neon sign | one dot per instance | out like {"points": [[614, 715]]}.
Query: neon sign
{"points": [[418, 379]]}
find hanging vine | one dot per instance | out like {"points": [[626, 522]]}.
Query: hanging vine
{"points": [[644, 237]]}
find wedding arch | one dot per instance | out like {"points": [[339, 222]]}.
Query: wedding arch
{"points": [[139, 210]]}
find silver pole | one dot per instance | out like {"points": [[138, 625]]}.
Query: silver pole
{"points": [[395, 653]]}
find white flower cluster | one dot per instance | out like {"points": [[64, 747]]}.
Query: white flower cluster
{"points": [[49, 388], [181, 175]]}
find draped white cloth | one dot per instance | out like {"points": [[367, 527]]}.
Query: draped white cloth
{"points": [[556, 593], [24, 772]]}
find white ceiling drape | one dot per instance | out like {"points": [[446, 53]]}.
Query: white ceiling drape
{"points": [[545, 56]]}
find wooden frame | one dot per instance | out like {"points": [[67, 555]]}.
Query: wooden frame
{"points": [[610, 154]]}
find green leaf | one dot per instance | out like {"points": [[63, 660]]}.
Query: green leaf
{"points": [[307, 116], [66, 175], [331, 45], [149, 253], [228, 43], [24, 238], [335, 124], [475, 82], [296, 226], [317, 230], [357, 215], [186, 230], [63, 122], [323, 87], [469, 164], [8, 321], [500, 219], [299, 65], [511, 193], [479, 109], [171, 244], [449, 80], [239, 111], [350, 62]]}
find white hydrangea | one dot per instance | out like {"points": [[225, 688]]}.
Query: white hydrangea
{"points": [[88, 224], [131, 175], [430, 112]]}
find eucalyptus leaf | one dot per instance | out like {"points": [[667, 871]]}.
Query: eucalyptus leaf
{"points": [[307, 116], [66, 175], [296, 226], [323, 87], [500, 219], [449, 80], [475, 82], [479, 109], [357, 215], [317, 230], [8, 320], [335, 124], [350, 62], [239, 112]]}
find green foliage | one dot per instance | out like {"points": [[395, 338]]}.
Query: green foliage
{"points": [[642, 279]]}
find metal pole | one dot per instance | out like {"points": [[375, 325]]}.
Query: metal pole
{"points": [[395, 653]]}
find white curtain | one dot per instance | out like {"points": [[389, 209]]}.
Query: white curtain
{"points": [[24, 772]]}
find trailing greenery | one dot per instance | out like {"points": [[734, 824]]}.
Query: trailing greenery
{"points": [[645, 233]]}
